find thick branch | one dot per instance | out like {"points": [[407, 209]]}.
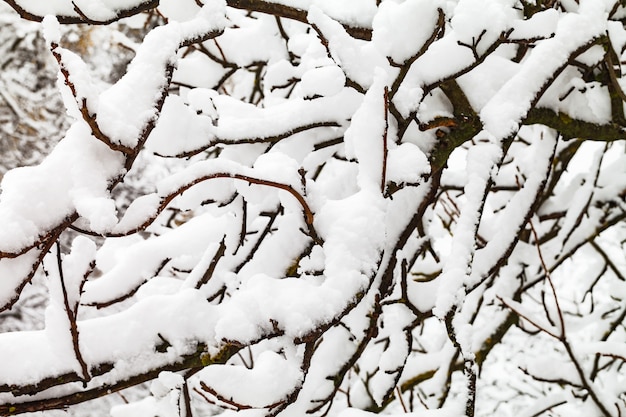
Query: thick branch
{"points": [[130, 10], [572, 128], [196, 360], [292, 13]]}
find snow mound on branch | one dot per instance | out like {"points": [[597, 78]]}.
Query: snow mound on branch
{"points": [[269, 381], [73, 177], [395, 23]]}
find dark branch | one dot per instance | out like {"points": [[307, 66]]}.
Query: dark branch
{"points": [[141, 6]]}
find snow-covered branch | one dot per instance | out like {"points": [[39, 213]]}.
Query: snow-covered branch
{"points": [[327, 208], [71, 12]]}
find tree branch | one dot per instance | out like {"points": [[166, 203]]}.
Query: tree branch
{"points": [[293, 13], [572, 128], [130, 10]]}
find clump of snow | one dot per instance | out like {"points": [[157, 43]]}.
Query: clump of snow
{"points": [[75, 175], [503, 113], [142, 208], [76, 265], [278, 167], [51, 29], [471, 17], [14, 271], [395, 23], [270, 380], [263, 43], [141, 260], [357, 58], [165, 383], [364, 137], [129, 105], [298, 306], [357, 13], [481, 84], [406, 164], [541, 24], [354, 222], [322, 81], [179, 10], [179, 129]]}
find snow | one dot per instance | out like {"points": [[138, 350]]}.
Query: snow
{"points": [[124, 109], [248, 315], [397, 318], [364, 138], [148, 407], [168, 138], [357, 58], [14, 271], [354, 222], [36, 199], [357, 13], [220, 252], [54, 7], [427, 69], [471, 17], [322, 81], [396, 22], [76, 265], [615, 349], [143, 259], [179, 10], [270, 380], [166, 382], [275, 120], [480, 162], [541, 24], [502, 115], [136, 213], [406, 164], [487, 79], [268, 45], [513, 216], [51, 30]]}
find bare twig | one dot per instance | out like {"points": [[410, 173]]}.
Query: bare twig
{"points": [[72, 312], [383, 181]]}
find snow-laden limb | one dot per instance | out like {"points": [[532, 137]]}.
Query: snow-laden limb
{"points": [[16, 273], [357, 58], [366, 137], [261, 125], [37, 200], [80, 173], [356, 23], [127, 119], [144, 259], [395, 21], [245, 318], [68, 11], [146, 209], [482, 161], [66, 278], [574, 34], [516, 214]]}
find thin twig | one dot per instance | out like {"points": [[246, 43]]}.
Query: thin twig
{"points": [[383, 181], [71, 312]]}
